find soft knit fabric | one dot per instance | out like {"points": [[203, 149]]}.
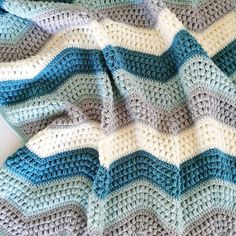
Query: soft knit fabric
{"points": [[128, 113]]}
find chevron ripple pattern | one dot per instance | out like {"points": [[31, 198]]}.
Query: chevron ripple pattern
{"points": [[127, 110]]}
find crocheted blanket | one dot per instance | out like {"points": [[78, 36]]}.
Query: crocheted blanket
{"points": [[128, 113]]}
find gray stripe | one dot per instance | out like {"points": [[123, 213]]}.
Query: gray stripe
{"points": [[139, 223], [140, 15], [201, 17], [194, 18], [137, 15], [218, 222], [32, 128], [142, 223], [28, 46], [201, 103], [58, 20], [72, 219], [69, 218]]}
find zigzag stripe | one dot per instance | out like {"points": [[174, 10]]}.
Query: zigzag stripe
{"points": [[211, 164], [171, 122], [195, 74], [21, 50], [32, 200], [63, 219], [144, 8], [138, 195], [218, 35], [136, 109], [132, 67], [32, 128], [68, 218], [175, 92], [42, 85], [179, 48], [201, 17], [148, 20], [41, 82], [223, 223], [19, 38], [70, 18], [83, 162], [140, 36], [85, 37], [177, 214], [44, 15], [68, 62], [147, 223], [140, 220], [127, 140]]}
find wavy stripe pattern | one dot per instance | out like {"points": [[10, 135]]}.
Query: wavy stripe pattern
{"points": [[179, 213], [37, 37], [138, 165], [212, 133], [142, 220], [156, 117], [128, 109], [73, 218]]}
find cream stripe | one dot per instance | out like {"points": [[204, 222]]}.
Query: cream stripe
{"points": [[98, 35], [52, 141], [30, 67], [169, 25], [218, 35], [165, 96], [138, 39], [94, 36], [206, 133]]}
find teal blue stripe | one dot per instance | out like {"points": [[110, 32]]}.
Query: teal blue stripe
{"points": [[73, 60], [211, 164], [159, 68], [1, 3], [92, 86], [226, 59], [68, 63], [89, 85], [38, 170], [140, 194]]}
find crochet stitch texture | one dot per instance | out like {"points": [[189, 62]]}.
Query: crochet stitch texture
{"points": [[128, 113]]}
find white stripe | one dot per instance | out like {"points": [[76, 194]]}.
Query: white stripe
{"points": [[205, 134], [98, 35]]}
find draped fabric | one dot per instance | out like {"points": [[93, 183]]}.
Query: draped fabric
{"points": [[127, 109]]}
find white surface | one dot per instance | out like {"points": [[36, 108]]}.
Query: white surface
{"points": [[9, 141]]}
